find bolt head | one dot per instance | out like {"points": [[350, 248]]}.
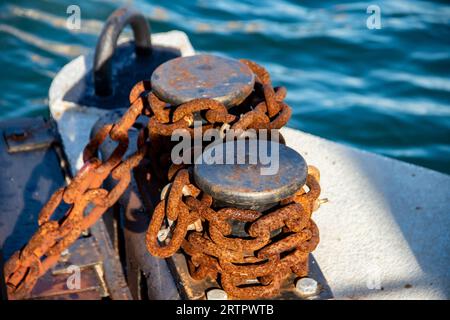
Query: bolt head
{"points": [[163, 234], [216, 294], [307, 287]]}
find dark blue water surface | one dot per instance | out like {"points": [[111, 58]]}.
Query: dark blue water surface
{"points": [[386, 90]]}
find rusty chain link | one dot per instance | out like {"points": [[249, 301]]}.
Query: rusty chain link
{"points": [[236, 260]]}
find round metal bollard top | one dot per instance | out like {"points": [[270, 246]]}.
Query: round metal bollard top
{"points": [[278, 173], [203, 76]]}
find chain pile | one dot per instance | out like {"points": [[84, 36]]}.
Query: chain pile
{"points": [[260, 259], [87, 200]]}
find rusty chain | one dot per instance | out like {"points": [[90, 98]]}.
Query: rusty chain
{"points": [[87, 200], [84, 191], [259, 260]]}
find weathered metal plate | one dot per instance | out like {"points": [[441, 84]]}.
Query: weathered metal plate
{"points": [[203, 76], [53, 286], [260, 172], [99, 270], [40, 135], [196, 289], [27, 180]]}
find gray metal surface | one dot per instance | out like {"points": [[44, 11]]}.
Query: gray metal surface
{"points": [[40, 135], [203, 76], [250, 181], [27, 180]]}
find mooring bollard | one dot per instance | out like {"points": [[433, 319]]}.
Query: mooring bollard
{"points": [[245, 219]]}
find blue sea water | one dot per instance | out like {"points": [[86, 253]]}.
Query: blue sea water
{"points": [[384, 90]]}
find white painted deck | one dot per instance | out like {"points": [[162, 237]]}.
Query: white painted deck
{"points": [[384, 231]]}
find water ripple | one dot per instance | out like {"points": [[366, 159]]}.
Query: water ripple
{"points": [[384, 90]]}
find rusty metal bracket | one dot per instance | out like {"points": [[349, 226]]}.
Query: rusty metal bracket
{"points": [[37, 135]]}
